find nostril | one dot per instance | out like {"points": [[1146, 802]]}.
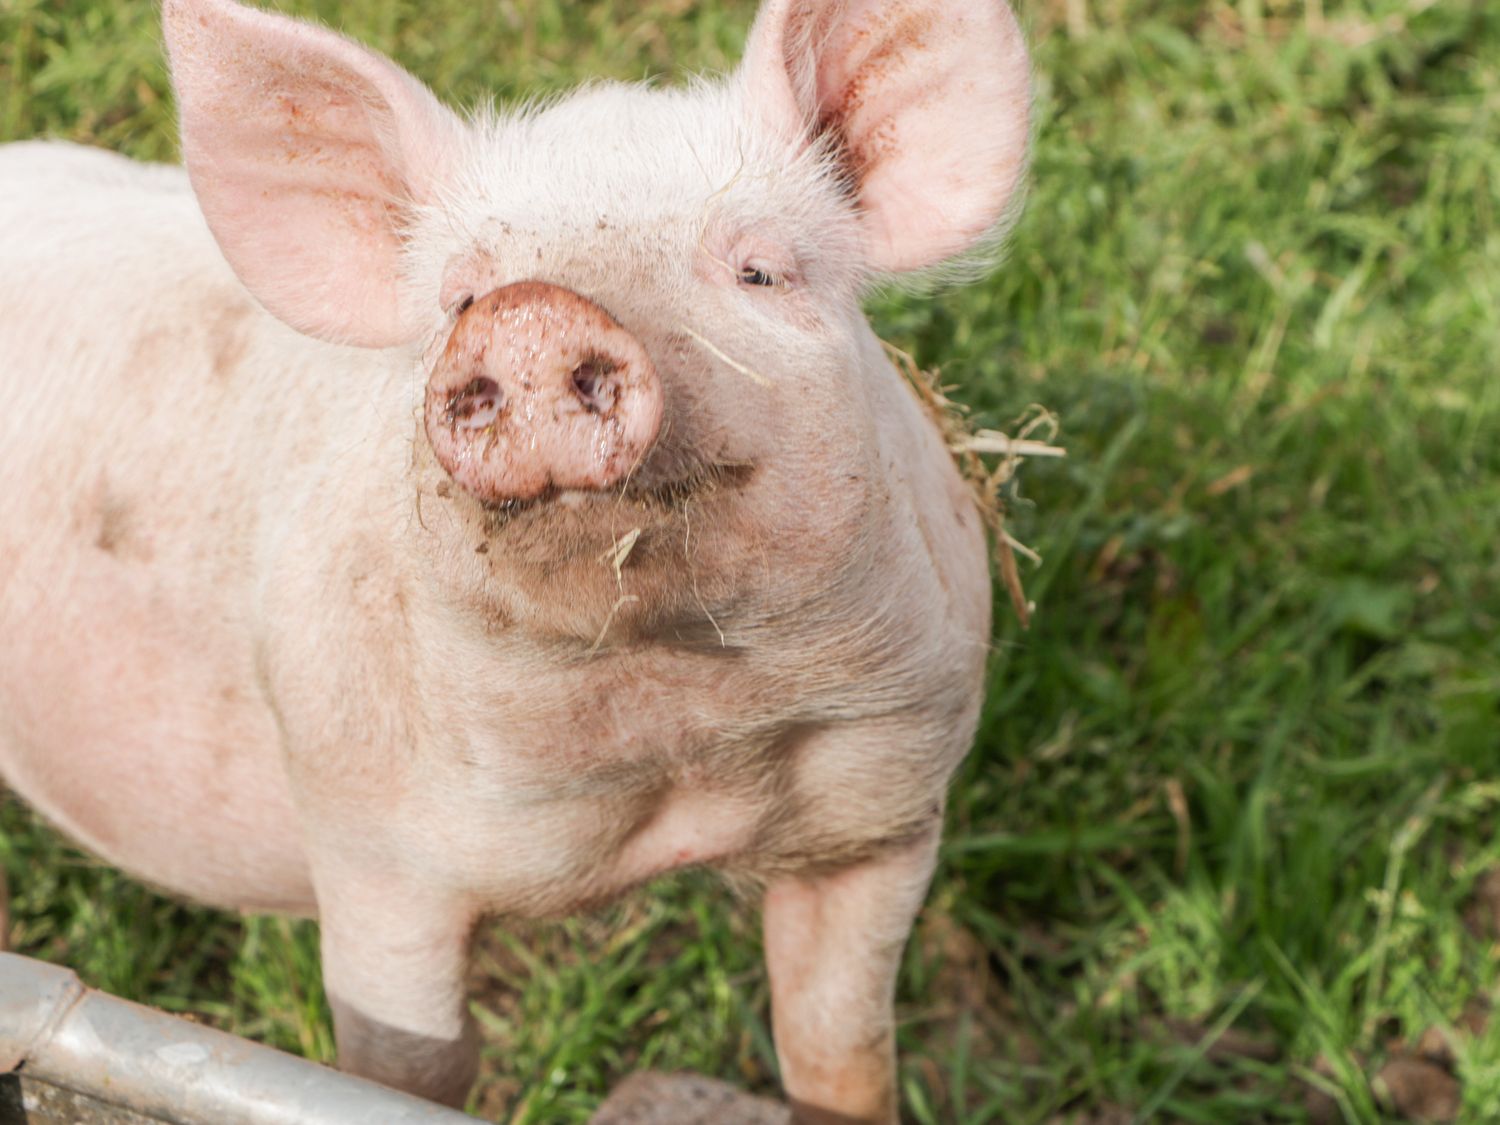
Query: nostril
{"points": [[593, 385], [477, 405]]}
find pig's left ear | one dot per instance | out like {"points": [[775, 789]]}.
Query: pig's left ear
{"points": [[306, 151], [928, 102]]}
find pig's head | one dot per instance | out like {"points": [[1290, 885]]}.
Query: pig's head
{"points": [[634, 311]]}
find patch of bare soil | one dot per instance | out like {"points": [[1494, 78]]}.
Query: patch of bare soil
{"points": [[1417, 1081], [1418, 1089], [651, 1098], [1482, 914]]}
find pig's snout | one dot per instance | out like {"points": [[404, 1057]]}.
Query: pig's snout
{"points": [[477, 405], [539, 388]]}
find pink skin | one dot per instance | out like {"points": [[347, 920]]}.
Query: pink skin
{"points": [[833, 943], [890, 75], [539, 388], [446, 593]]}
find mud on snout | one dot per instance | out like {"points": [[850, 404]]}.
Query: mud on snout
{"points": [[539, 389]]}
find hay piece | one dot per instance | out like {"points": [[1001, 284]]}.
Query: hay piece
{"points": [[618, 552], [967, 446], [754, 376]]}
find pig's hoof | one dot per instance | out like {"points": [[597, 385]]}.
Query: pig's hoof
{"points": [[650, 1098]]}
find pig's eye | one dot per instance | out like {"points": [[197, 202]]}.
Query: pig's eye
{"points": [[462, 304], [754, 275]]}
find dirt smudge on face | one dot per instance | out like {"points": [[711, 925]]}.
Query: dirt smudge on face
{"points": [[116, 525], [228, 339], [887, 47], [152, 350]]}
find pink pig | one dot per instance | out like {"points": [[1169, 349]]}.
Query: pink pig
{"points": [[407, 518]]}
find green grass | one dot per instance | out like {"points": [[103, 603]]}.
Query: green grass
{"points": [[1242, 774]]}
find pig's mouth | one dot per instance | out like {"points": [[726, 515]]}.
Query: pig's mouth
{"points": [[659, 498]]}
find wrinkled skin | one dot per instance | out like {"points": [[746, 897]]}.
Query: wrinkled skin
{"points": [[265, 641]]}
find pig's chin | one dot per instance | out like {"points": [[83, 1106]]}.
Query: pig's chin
{"points": [[654, 557], [563, 522]]}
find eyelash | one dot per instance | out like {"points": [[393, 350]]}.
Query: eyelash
{"points": [[752, 275]]}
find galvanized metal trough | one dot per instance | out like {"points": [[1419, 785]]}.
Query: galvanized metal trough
{"points": [[71, 1055]]}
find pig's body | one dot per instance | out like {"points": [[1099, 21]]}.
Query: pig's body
{"points": [[616, 547], [130, 710], [194, 579]]}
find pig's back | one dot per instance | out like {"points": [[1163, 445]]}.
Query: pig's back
{"points": [[92, 247], [64, 207], [136, 441], [29, 166]]}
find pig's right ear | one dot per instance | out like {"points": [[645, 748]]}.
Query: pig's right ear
{"points": [[306, 151], [925, 104]]}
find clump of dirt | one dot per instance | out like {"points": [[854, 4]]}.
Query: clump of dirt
{"points": [[653, 1098], [1416, 1082], [1482, 914], [1418, 1089]]}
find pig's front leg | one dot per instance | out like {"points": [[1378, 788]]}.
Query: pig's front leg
{"points": [[394, 959], [833, 945]]}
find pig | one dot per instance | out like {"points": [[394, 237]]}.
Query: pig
{"points": [[409, 518]]}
